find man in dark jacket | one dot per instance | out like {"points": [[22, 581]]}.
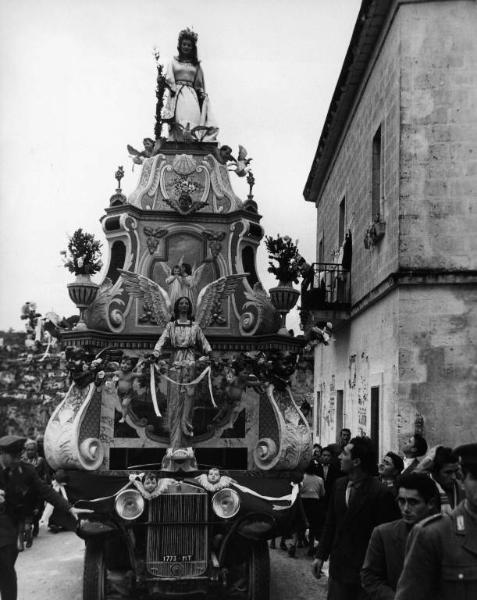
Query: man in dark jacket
{"points": [[17, 481], [358, 504], [441, 562], [330, 472], [418, 498]]}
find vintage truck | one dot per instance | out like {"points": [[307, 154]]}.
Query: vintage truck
{"points": [[181, 516]]}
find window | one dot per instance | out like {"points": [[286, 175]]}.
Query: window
{"points": [[377, 177], [341, 222]]}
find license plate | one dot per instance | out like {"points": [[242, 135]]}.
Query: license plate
{"points": [[176, 557]]}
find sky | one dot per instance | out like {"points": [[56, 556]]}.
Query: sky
{"points": [[77, 80]]}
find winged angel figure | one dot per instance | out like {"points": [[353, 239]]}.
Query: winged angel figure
{"points": [[242, 163], [182, 280], [186, 339]]}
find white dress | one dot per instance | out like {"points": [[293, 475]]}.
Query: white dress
{"points": [[175, 288], [182, 107]]}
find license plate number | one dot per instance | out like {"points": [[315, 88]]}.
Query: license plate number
{"points": [[176, 557]]}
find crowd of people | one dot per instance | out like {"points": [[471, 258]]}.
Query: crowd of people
{"points": [[405, 529], [32, 384]]}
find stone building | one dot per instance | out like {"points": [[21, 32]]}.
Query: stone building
{"points": [[395, 171]]}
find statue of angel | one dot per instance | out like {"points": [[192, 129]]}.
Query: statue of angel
{"points": [[242, 163], [138, 157], [184, 335], [182, 280]]}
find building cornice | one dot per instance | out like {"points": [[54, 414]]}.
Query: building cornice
{"points": [[409, 278]]}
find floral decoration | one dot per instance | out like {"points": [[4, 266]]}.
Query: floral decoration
{"points": [[183, 187], [83, 254], [284, 259]]}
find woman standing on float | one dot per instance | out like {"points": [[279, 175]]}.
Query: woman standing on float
{"points": [[185, 338], [186, 104]]}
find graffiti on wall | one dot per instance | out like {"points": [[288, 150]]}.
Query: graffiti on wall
{"points": [[362, 377], [352, 371], [330, 412]]}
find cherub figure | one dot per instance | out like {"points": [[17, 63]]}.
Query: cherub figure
{"points": [[320, 333], [187, 281], [213, 476], [124, 383], [175, 283], [138, 157], [214, 481], [182, 280], [224, 154], [241, 163], [150, 482]]}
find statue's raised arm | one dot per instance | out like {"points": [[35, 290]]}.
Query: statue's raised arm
{"points": [[186, 104]]}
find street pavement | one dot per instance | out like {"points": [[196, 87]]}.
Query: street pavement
{"points": [[53, 569]]}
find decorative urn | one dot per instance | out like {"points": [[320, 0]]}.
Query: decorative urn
{"points": [[284, 297], [82, 292]]}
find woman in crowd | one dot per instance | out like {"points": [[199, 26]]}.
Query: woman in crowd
{"points": [[312, 490]]}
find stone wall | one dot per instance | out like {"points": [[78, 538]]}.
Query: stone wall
{"points": [[360, 357], [350, 176], [418, 341], [418, 345], [438, 220], [438, 362]]}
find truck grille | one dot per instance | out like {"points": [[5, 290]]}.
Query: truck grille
{"points": [[177, 533]]}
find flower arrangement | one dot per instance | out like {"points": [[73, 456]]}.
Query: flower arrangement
{"points": [[83, 255], [284, 252], [183, 187]]}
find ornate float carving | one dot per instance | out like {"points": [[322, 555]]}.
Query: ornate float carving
{"points": [[72, 435]]}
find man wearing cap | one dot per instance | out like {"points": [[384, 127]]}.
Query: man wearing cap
{"points": [[17, 480], [441, 561]]}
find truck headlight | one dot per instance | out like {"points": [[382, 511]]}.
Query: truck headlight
{"points": [[226, 503], [129, 504]]}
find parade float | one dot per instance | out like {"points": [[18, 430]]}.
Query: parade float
{"points": [[182, 434]]}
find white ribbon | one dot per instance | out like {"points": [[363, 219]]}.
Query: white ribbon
{"points": [[135, 480], [153, 391], [288, 498], [205, 372], [47, 351]]}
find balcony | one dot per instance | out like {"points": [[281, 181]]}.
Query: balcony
{"points": [[327, 297]]}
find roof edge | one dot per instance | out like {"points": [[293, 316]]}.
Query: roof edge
{"points": [[369, 24]]}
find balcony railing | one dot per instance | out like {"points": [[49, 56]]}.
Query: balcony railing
{"points": [[328, 289]]}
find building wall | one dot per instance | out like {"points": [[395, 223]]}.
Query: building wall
{"points": [[438, 186], [360, 357], [351, 176], [419, 340], [438, 362]]}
